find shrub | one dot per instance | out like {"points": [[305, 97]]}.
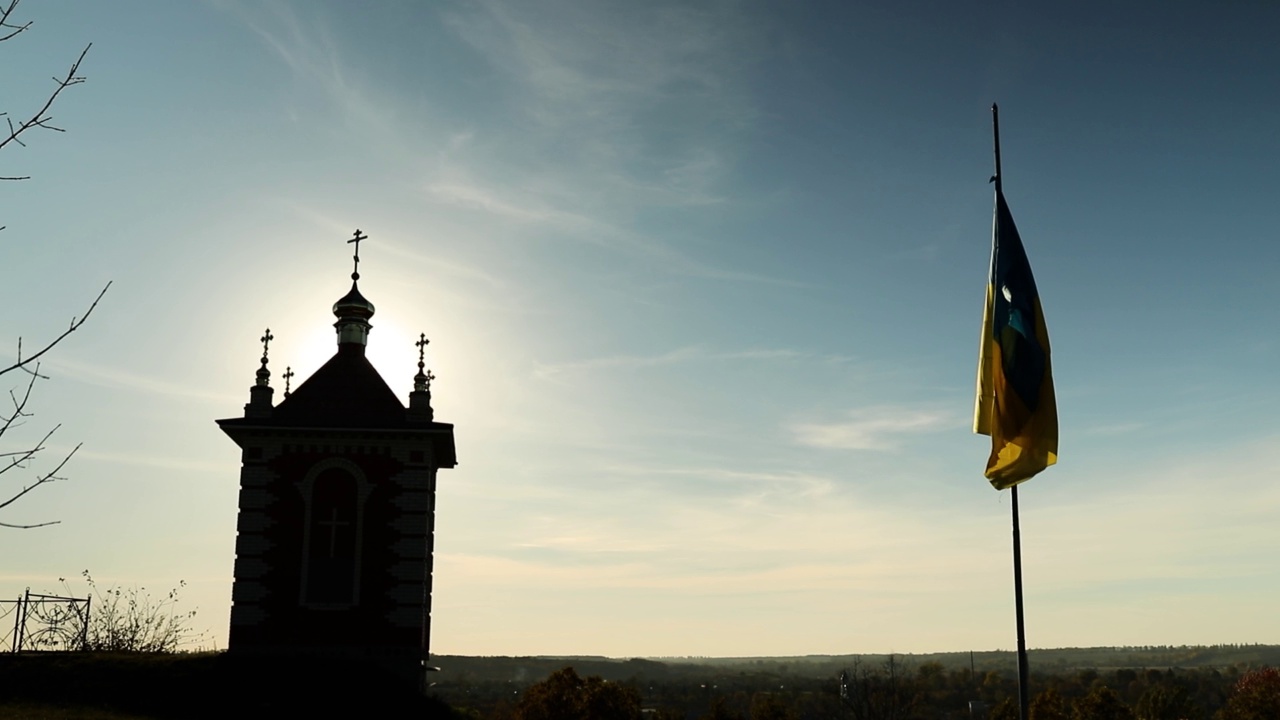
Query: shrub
{"points": [[1256, 697], [566, 696], [128, 619]]}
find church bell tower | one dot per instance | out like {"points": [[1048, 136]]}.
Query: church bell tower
{"points": [[335, 530]]}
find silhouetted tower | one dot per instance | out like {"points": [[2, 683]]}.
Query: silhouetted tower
{"points": [[337, 508]]}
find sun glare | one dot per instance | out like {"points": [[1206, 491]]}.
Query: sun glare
{"points": [[305, 345], [392, 351]]}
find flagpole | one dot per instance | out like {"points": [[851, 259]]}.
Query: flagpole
{"points": [[995, 129], [1024, 691]]}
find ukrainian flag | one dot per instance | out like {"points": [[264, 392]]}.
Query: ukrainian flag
{"points": [[1015, 404]]}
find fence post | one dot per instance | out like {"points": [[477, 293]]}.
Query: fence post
{"points": [[22, 613], [17, 615], [84, 624]]}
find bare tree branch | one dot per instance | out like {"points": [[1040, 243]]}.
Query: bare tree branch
{"points": [[19, 405], [5, 12], [41, 119], [75, 325], [48, 477], [28, 527], [20, 397], [20, 458]]}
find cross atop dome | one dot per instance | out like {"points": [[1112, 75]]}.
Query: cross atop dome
{"points": [[353, 310], [355, 272]]}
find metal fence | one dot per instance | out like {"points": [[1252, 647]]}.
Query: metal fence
{"points": [[47, 623]]}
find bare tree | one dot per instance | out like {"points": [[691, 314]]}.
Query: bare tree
{"points": [[884, 693], [20, 396], [9, 29]]}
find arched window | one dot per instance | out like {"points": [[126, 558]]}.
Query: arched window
{"points": [[334, 492]]}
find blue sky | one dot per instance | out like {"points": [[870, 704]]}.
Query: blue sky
{"points": [[703, 283]]}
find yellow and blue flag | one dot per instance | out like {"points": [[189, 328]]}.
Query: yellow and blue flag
{"points": [[1015, 404]]}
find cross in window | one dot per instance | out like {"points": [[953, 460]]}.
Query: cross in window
{"points": [[333, 523]]}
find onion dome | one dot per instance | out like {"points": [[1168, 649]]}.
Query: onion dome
{"points": [[353, 306]]}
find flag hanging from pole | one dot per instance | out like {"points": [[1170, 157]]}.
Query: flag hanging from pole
{"points": [[1015, 403]]}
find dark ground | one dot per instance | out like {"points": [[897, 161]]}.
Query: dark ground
{"points": [[197, 686]]}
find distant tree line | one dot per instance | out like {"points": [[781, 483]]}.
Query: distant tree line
{"points": [[888, 690], [526, 670]]}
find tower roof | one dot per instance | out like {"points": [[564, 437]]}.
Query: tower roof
{"points": [[345, 392]]}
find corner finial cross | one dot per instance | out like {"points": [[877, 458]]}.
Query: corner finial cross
{"points": [[422, 381], [355, 272], [288, 375]]}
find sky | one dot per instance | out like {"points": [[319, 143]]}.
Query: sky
{"points": [[703, 283]]}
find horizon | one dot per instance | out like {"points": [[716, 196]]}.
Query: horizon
{"points": [[703, 285], [996, 651]]}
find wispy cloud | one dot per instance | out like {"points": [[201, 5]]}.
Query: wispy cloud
{"points": [[394, 245], [863, 576], [638, 107], [116, 378], [882, 428], [587, 540], [486, 200], [155, 461], [837, 542], [561, 213], [1115, 428], [1141, 551], [690, 354], [610, 61], [613, 109], [311, 51], [621, 64], [795, 484]]}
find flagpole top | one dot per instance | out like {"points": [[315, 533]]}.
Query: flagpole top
{"points": [[995, 132]]}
